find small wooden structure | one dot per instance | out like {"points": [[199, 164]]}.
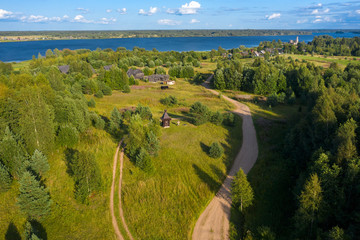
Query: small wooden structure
{"points": [[165, 120]]}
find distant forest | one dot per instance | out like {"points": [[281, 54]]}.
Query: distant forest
{"points": [[156, 33]]}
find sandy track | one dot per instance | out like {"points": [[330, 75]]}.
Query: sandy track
{"points": [[112, 191], [213, 223]]}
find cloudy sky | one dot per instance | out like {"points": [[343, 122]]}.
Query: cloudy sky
{"points": [[178, 14]]}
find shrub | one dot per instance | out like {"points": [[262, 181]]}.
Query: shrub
{"points": [[97, 121], [143, 161], [216, 150], [147, 71], [106, 90], [160, 70], [151, 64], [126, 89], [169, 101], [200, 112], [217, 118], [92, 103], [131, 80], [99, 94], [68, 136], [229, 119], [5, 179], [272, 100]]}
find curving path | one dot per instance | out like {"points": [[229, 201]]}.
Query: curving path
{"points": [[213, 223]]}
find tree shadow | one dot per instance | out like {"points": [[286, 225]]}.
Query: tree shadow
{"points": [[12, 233], [218, 172], [205, 148], [186, 117], [70, 156], [39, 229], [206, 178]]}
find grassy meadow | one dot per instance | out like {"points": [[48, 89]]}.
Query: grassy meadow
{"points": [[167, 203], [324, 61]]}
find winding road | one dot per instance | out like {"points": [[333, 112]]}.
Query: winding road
{"points": [[213, 223]]}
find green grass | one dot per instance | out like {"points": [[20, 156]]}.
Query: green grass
{"points": [[320, 60]]}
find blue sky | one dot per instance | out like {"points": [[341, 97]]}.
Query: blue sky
{"points": [[178, 14]]}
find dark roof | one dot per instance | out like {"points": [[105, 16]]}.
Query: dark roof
{"points": [[108, 67], [158, 77], [137, 73], [64, 69], [165, 116]]}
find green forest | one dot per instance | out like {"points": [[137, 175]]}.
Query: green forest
{"points": [[58, 133]]}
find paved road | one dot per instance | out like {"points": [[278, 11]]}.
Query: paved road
{"points": [[213, 223]]}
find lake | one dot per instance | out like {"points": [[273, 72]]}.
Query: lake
{"points": [[20, 51]]}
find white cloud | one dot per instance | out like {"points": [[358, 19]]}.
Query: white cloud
{"points": [[41, 19], [358, 11], [83, 10], [82, 19], [317, 20], [301, 21], [168, 22], [315, 11], [108, 10], [319, 5], [194, 21], [189, 8], [186, 9], [5, 14], [122, 11], [106, 20], [151, 11], [327, 10], [273, 16]]}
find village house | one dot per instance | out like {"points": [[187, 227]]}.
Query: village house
{"points": [[64, 69], [136, 73], [157, 78]]}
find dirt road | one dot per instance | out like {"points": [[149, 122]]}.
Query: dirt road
{"points": [[112, 191], [213, 223]]}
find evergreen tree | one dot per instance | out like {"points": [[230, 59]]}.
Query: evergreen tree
{"points": [[143, 161], [217, 118], [219, 81], [5, 179], [309, 204], [34, 199], [241, 191], [30, 232], [216, 150], [153, 143], [39, 163], [345, 140], [68, 136], [11, 154]]}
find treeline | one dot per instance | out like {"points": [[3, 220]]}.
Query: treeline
{"points": [[323, 45], [154, 33]]}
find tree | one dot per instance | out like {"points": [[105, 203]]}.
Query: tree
{"points": [[219, 81], [143, 161], [217, 118], [67, 136], [30, 232], [336, 233], [200, 112], [153, 143], [241, 191], [92, 103], [34, 199], [39, 163], [345, 140], [11, 154], [126, 88], [5, 179], [309, 204], [216, 150]]}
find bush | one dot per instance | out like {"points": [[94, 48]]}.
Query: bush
{"points": [[97, 121], [67, 136], [143, 161], [217, 118], [126, 89], [229, 119], [106, 90], [131, 80], [272, 100], [151, 64], [169, 101], [160, 70], [147, 71], [200, 112], [216, 150], [92, 103], [99, 94]]}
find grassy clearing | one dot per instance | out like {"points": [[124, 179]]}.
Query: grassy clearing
{"points": [[70, 219], [166, 204], [320, 60], [270, 177]]}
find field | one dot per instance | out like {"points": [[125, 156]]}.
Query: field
{"points": [[166, 204], [324, 61]]}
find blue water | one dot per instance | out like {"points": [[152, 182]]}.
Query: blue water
{"points": [[20, 51]]}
